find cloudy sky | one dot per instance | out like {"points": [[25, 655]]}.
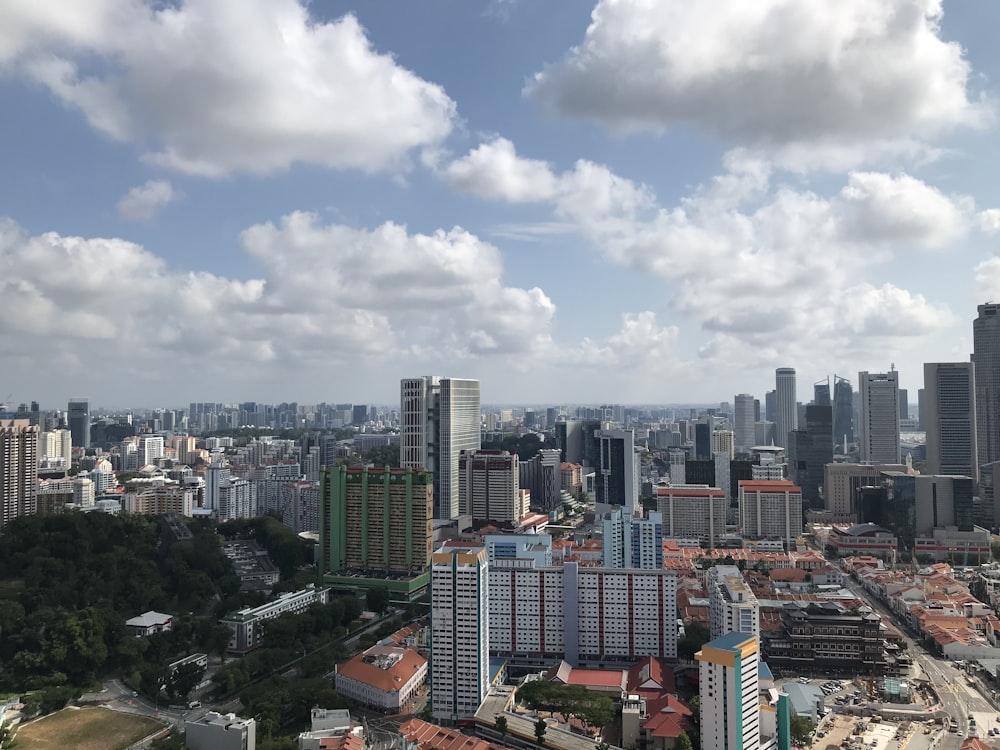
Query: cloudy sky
{"points": [[639, 201]]}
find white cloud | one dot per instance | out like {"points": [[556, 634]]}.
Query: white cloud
{"points": [[989, 220], [494, 171], [771, 73], [327, 295], [640, 342], [214, 87], [145, 201]]}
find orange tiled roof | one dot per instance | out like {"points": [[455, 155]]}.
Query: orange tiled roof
{"points": [[386, 680], [432, 737]]}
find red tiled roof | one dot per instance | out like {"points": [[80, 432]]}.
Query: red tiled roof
{"points": [[668, 717], [432, 737]]}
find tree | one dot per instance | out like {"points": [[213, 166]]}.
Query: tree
{"points": [[377, 599], [696, 635], [801, 730], [540, 727], [500, 722], [383, 455], [683, 742]]}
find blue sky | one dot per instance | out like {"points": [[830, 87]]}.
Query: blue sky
{"points": [[627, 201]]}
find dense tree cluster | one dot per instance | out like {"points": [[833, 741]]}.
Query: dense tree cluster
{"points": [[69, 581], [284, 546], [525, 446], [571, 700], [696, 635]]}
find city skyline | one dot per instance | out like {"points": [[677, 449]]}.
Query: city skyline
{"points": [[506, 201]]}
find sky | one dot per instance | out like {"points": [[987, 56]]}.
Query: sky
{"points": [[627, 201]]}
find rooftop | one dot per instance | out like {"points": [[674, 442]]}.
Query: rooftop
{"points": [[729, 641]]}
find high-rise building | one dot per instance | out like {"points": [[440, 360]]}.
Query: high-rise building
{"points": [[921, 422], [771, 510], [632, 542], [150, 449], [786, 412], [878, 433], [950, 411], [770, 406], [489, 487], [904, 404], [986, 358], [460, 643], [359, 414], [703, 438], [843, 411], [540, 476], [617, 478], [678, 466], [914, 505], [723, 442], [810, 450], [842, 481], [375, 519], [55, 448], [732, 606], [821, 393], [692, 512], [18, 468], [439, 418], [743, 422], [728, 669], [78, 416], [569, 438]]}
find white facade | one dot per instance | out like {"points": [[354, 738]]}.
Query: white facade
{"points": [[150, 449], [385, 678], [460, 645], [489, 486], [215, 731], [228, 496], [878, 431], [771, 510], [728, 688], [245, 623], [787, 416], [693, 512], [581, 614], [630, 541], [439, 418], [950, 418], [56, 446], [723, 441], [732, 606]]}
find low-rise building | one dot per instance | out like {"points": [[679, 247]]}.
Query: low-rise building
{"points": [[215, 731], [385, 678], [245, 623], [862, 539], [332, 729], [825, 636], [149, 623]]}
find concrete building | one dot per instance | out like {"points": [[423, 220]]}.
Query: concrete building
{"points": [[723, 441], [571, 478], [786, 412], [384, 678], [878, 433], [843, 412], [986, 361], [828, 639], [439, 418], [810, 449], [229, 496], [460, 633], [743, 422], [692, 512], [618, 470], [78, 417], [540, 476], [215, 731], [149, 623], [569, 438], [950, 416], [632, 541], [55, 449], [375, 520], [842, 481], [18, 468], [729, 693], [489, 487], [245, 623], [150, 449], [732, 606], [771, 510], [913, 505]]}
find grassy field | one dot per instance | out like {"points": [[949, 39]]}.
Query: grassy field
{"points": [[85, 729]]}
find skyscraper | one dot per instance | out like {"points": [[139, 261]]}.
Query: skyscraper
{"points": [[904, 404], [878, 433], [79, 422], [439, 418], [950, 415], [810, 450], [632, 542], [728, 669], [489, 486], [786, 412], [770, 406], [843, 411], [821, 393], [743, 422], [986, 357], [18, 468], [617, 479]]}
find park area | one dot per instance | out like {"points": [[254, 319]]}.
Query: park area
{"points": [[85, 729]]}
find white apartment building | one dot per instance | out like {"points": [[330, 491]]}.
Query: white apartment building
{"points": [[55, 448], [771, 510], [729, 692], [630, 541], [228, 496], [460, 645], [150, 449], [215, 731], [692, 511], [732, 606], [160, 496], [724, 441], [581, 614], [245, 623]]}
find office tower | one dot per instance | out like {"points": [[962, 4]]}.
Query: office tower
{"points": [[950, 410], [359, 414], [921, 422], [914, 505], [878, 433], [841, 483], [703, 438], [632, 542], [771, 510], [678, 467], [569, 438], [18, 468], [986, 357], [743, 422], [150, 449], [770, 406], [732, 606], [617, 479], [439, 418], [541, 477], [375, 519], [460, 643], [843, 411], [489, 487], [904, 404], [756, 410], [692, 512], [723, 442], [786, 413], [728, 669], [723, 475], [821, 393], [229, 496], [810, 450], [79, 422]]}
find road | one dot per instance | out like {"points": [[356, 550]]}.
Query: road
{"points": [[957, 698]]}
